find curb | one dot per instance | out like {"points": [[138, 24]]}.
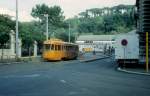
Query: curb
{"points": [[90, 60], [9, 63], [133, 72]]}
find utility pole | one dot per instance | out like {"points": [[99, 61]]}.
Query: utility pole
{"points": [[46, 15], [69, 32], [17, 45], [147, 54]]}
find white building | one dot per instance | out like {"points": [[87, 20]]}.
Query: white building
{"points": [[95, 42]]}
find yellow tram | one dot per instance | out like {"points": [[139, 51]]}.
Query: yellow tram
{"points": [[56, 49]]}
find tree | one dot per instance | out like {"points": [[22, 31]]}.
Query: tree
{"points": [[6, 24], [107, 20], [30, 32], [84, 14], [55, 14], [55, 18]]}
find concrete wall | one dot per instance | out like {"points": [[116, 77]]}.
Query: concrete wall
{"points": [[7, 53], [10, 53]]}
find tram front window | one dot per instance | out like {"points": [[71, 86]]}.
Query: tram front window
{"points": [[47, 47]]}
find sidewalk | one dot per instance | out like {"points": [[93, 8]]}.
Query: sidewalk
{"points": [[139, 70], [31, 58], [88, 57], [21, 60]]}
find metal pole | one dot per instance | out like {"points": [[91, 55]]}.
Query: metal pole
{"points": [[17, 45], [147, 57], [124, 57], [69, 32], [46, 26]]}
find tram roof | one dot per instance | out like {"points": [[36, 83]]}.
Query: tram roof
{"points": [[53, 41], [58, 41]]}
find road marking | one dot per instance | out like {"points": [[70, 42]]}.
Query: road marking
{"points": [[63, 81], [73, 93], [22, 76], [32, 75]]}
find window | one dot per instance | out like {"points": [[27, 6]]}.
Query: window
{"points": [[52, 47], [88, 41], [56, 47], [47, 47], [62, 47], [65, 48], [59, 47]]}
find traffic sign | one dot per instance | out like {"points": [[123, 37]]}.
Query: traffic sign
{"points": [[124, 42]]}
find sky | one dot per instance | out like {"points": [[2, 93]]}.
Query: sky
{"points": [[69, 7]]}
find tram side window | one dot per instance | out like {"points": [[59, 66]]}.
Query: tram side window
{"points": [[65, 48], [59, 47], [56, 47], [69, 48], [72, 48], [52, 47], [62, 47]]}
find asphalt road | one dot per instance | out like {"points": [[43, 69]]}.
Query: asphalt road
{"points": [[71, 78]]}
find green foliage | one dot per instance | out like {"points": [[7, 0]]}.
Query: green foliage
{"points": [[57, 26], [30, 32], [117, 19], [63, 34], [55, 14], [6, 25]]}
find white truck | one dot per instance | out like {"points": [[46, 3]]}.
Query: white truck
{"points": [[127, 49]]}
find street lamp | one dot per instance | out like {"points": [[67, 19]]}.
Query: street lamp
{"points": [[17, 45], [46, 15]]}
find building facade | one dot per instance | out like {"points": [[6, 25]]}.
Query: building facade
{"points": [[143, 26], [99, 43]]}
